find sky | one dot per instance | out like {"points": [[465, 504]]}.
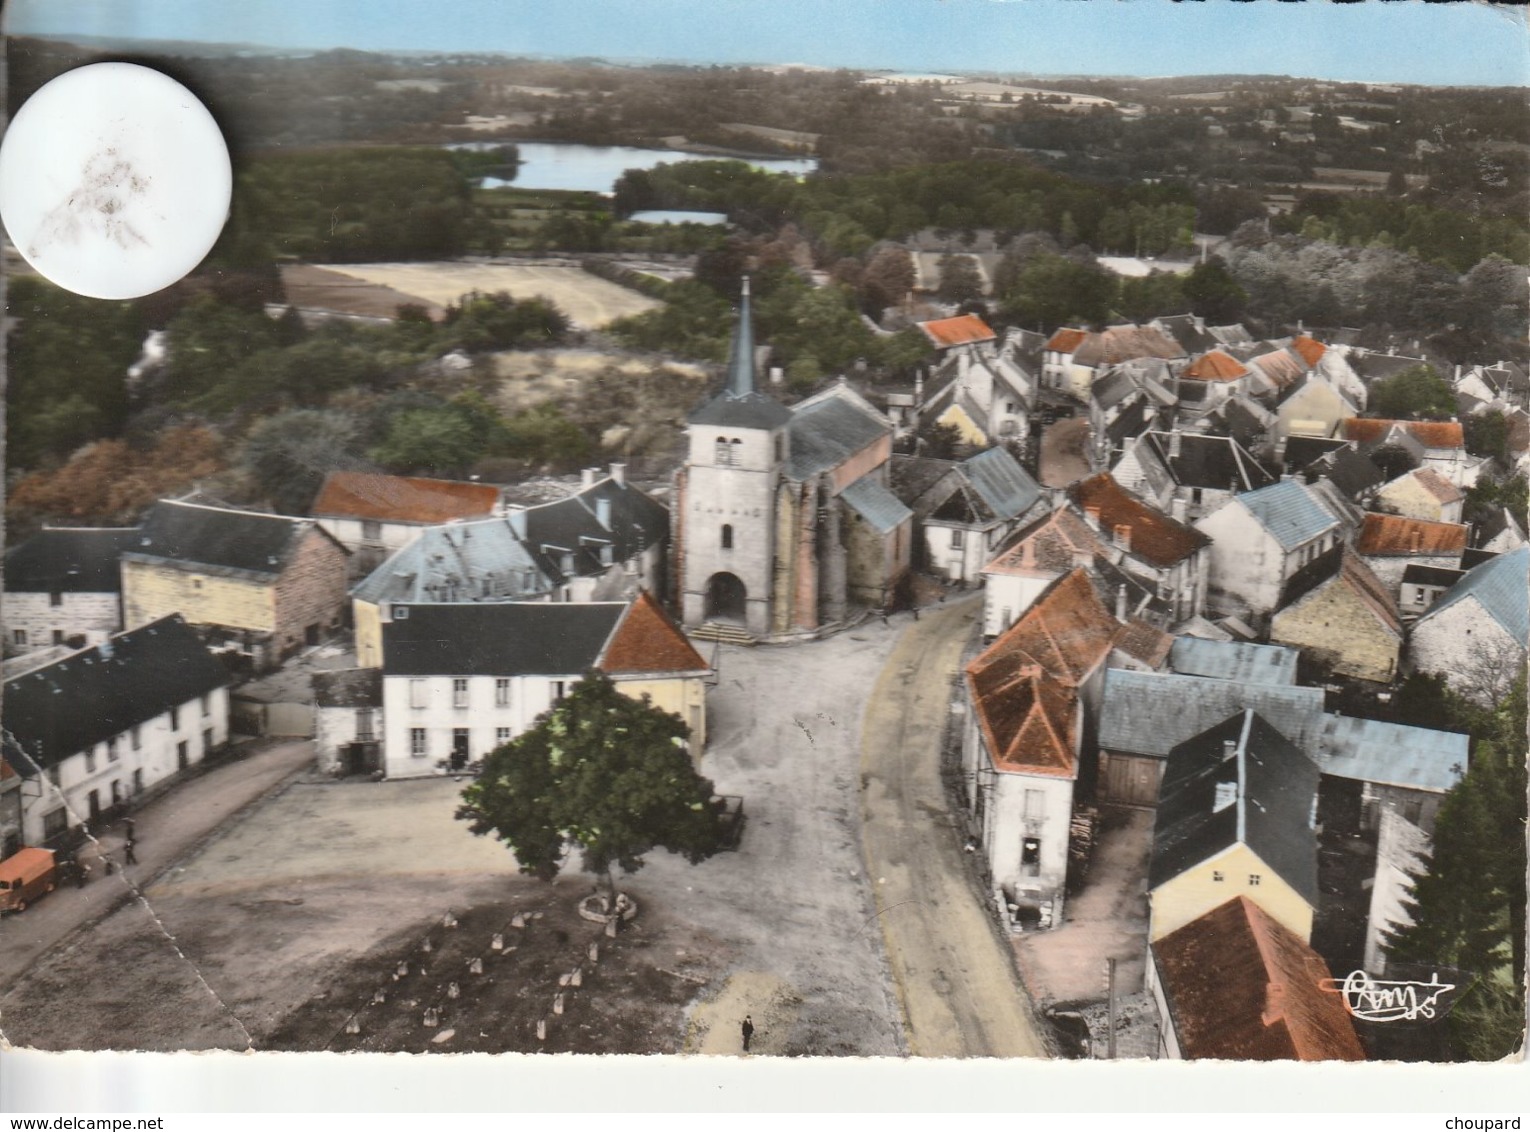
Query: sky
{"points": [[1464, 43]]}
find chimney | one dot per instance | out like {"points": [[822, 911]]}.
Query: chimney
{"points": [[603, 512], [619, 475], [1179, 508], [1174, 442], [1229, 748], [1082, 558], [1123, 536], [587, 477], [1092, 515], [1120, 603]]}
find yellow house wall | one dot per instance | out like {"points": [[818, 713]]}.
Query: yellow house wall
{"points": [[685, 696], [1339, 627], [368, 618], [151, 591], [1312, 404], [1193, 893], [957, 417], [1409, 497]]}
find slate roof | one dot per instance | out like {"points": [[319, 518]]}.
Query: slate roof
{"points": [[1303, 450], [1216, 462], [742, 404], [1342, 566], [1184, 330], [69, 560], [1233, 334], [830, 429], [1234, 660], [1005, 487], [1214, 365], [573, 524], [1385, 535], [1431, 434], [348, 688], [647, 640], [1241, 986], [1289, 512], [214, 538], [1352, 472], [506, 639], [1156, 538], [1416, 575], [1501, 585], [1275, 784], [483, 561], [1112, 387], [962, 330], [910, 477], [101, 692], [1391, 754], [1123, 343], [402, 499], [1149, 713], [874, 503]]}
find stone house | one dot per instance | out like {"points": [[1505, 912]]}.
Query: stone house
{"points": [[1189, 474], [1236, 817], [1421, 494], [1261, 997], [972, 506], [1259, 540], [1343, 616], [1033, 694], [373, 515], [64, 585], [1034, 558], [94, 731], [1476, 634], [348, 720], [1392, 543], [1072, 359], [462, 679], [1422, 587], [259, 586]]}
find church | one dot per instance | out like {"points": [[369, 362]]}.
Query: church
{"points": [[783, 519]]}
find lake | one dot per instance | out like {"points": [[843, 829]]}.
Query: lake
{"points": [[678, 216], [595, 168]]}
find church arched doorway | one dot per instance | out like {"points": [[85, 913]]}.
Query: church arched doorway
{"points": [[725, 598]]}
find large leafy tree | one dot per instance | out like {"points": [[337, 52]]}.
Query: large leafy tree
{"points": [[1416, 393], [602, 771]]}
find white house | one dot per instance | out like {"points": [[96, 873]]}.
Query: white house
{"points": [[64, 585], [971, 508], [1258, 541], [462, 679], [1476, 634], [347, 713], [92, 731]]}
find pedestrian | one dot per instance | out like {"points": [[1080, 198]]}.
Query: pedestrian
{"points": [[916, 613], [883, 612], [81, 871], [748, 1031], [132, 830], [128, 848]]}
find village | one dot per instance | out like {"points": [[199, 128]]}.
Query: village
{"points": [[1160, 625]]}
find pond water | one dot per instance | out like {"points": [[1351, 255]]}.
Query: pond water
{"points": [[595, 168], [678, 216]]}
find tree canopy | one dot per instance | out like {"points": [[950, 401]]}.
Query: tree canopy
{"points": [[1416, 393], [599, 770]]}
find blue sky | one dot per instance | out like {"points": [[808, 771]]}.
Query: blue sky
{"points": [[1376, 41]]}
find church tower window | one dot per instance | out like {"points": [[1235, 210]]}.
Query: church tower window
{"points": [[727, 536]]}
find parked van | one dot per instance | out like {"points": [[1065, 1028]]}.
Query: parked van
{"points": [[24, 876]]}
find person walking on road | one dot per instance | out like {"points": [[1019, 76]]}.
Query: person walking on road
{"points": [[748, 1032], [132, 859]]}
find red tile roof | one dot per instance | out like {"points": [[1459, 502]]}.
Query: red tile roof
{"points": [[959, 331], [1214, 365], [1241, 986], [1145, 642], [1066, 340], [648, 641], [1437, 485], [1282, 366], [1309, 348], [1116, 344], [1155, 537], [1049, 546], [1431, 434], [1397, 534], [1025, 685], [401, 499]]}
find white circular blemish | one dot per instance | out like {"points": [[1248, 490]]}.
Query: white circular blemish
{"points": [[114, 181]]}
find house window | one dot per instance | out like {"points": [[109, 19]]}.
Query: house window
{"points": [[206, 706], [1253, 880], [1413, 810], [1034, 805], [722, 452], [1030, 856], [19, 636], [501, 736], [401, 613], [418, 696], [116, 791], [58, 636], [90, 760], [956, 538], [371, 530], [364, 732], [55, 599], [502, 691], [417, 742], [175, 719], [607, 555], [54, 823], [54, 775], [727, 536], [459, 692], [207, 741], [559, 688], [138, 782], [1216, 876], [196, 583], [111, 750], [137, 738]]}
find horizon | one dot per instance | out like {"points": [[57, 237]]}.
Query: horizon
{"points": [[1404, 42]]}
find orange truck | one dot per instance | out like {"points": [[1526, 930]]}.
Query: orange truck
{"points": [[24, 876]]}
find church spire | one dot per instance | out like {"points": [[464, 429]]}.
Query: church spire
{"points": [[741, 359]]}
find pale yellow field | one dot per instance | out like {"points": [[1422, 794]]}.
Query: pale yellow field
{"points": [[588, 301]]}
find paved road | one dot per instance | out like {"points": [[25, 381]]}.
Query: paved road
{"points": [[957, 981], [168, 828]]}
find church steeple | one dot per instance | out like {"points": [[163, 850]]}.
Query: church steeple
{"points": [[740, 382]]}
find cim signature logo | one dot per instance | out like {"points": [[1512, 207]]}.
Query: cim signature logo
{"points": [[1402, 1000]]}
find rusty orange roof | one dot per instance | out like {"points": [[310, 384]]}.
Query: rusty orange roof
{"points": [[1066, 340], [1431, 434], [1214, 365], [959, 331], [1049, 546], [1397, 534], [1116, 344], [1155, 537], [402, 499], [646, 640], [1282, 366], [1437, 485], [1242, 987], [1309, 348], [1144, 642]]}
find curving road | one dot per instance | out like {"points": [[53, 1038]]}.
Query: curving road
{"points": [[956, 980]]}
